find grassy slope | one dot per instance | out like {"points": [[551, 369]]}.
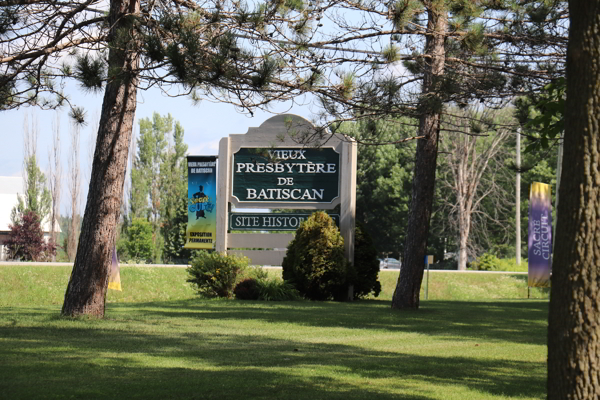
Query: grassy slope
{"points": [[31, 285], [179, 346]]}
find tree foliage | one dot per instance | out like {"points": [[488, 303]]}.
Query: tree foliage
{"points": [[173, 192], [383, 178], [472, 169], [139, 245], [145, 175], [37, 197], [159, 185]]}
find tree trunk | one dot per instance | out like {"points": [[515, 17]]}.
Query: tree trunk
{"points": [[574, 320], [463, 238], [87, 286], [72, 236], [466, 189], [408, 287]]}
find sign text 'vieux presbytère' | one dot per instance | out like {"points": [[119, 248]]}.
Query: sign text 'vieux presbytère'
{"points": [[307, 175]]}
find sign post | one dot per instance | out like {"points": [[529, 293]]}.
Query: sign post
{"points": [[428, 260]]}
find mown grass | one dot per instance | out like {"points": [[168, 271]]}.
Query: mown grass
{"points": [[158, 340], [45, 285], [444, 285]]}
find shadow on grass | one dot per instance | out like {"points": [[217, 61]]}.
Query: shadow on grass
{"points": [[519, 321], [84, 359]]}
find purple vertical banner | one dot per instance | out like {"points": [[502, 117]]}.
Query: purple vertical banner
{"points": [[540, 235]]}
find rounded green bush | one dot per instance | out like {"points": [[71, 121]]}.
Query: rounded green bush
{"points": [[487, 262], [216, 274], [315, 262]]}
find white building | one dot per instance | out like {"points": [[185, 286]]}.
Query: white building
{"points": [[10, 186]]}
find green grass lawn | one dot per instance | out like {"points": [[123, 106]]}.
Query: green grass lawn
{"points": [[159, 340]]}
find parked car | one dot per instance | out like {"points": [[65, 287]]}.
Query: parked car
{"points": [[389, 263]]}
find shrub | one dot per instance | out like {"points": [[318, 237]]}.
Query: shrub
{"points": [[248, 289], [277, 290], [489, 262], [139, 244], [256, 272], [216, 274], [26, 240], [366, 264], [314, 263]]}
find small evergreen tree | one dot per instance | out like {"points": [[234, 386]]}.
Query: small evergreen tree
{"points": [[315, 262], [26, 240]]}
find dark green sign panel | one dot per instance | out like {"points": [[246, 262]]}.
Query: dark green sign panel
{"points": [[287, 175], [270, 221]]}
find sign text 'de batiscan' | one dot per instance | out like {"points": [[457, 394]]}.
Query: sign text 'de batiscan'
{"points": [[305, 175]]}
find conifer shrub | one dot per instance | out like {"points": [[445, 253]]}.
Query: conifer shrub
{"points": [[314, 263], [215, 274], [366, 264]]}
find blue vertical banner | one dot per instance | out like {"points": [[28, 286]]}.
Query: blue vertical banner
{"points": [[540, 235], [202, 195]]}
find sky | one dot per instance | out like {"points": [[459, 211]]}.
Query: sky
{"points": [[204, 125]]}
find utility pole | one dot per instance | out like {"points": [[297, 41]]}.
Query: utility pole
{"points": [[518, 199]]}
